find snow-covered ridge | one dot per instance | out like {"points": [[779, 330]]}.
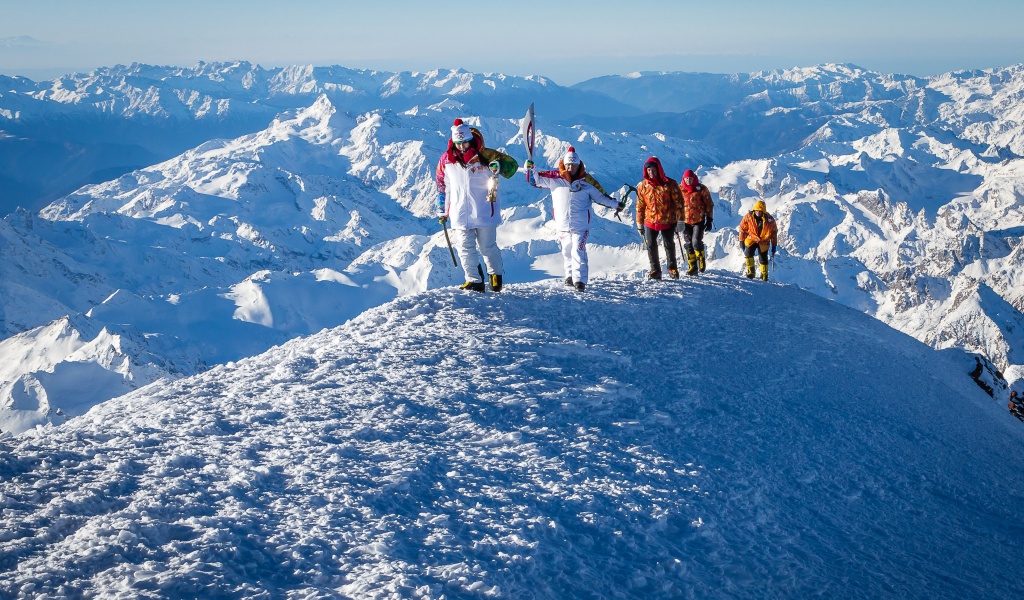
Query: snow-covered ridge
{"points": [[888, 202], [240, 244], [534, 444], [61, 370]]}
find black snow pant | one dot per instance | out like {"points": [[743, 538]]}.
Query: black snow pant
{"points": [[693, 237], [749, 252], [668, 236]]}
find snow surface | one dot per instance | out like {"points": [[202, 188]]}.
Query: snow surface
{"points": [[712, 437]]}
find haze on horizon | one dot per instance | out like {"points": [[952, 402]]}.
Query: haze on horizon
{"points": [[571, 43]]}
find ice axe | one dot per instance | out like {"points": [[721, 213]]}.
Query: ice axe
{"points": [[444, 223], [624, 199], [630, 188]]}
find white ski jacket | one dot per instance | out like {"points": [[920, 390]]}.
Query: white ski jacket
{"points": [[466, 187], [571, 202], [466, 196]]}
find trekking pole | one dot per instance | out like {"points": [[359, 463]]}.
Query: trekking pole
{"points": [[644, 240], [448, 239]]}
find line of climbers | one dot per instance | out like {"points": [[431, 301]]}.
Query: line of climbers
{"points": [[467, 184]]}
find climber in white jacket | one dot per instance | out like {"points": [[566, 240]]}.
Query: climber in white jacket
{"points": [[573, 192]]}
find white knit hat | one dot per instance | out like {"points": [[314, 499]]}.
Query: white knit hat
{"points": [[571, 158], [461, 132]]}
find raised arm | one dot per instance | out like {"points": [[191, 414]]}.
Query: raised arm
{"points": [[542, 179], [508, 165]]}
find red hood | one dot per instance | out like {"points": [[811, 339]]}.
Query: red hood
{"points": [[662, 179], [686, 186]]}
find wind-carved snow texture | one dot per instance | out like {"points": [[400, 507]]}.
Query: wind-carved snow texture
{"points": [[704, 438]]}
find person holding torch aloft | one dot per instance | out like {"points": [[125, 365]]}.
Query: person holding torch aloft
{"points": [[467, 176]]}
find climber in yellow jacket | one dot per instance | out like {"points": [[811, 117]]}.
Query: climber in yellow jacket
{"points": [[758, 233]]}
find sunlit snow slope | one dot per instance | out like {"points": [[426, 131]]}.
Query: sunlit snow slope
{"points": [[702, 438]]}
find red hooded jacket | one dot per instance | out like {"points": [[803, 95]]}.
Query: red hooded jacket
{"points": [[697, 202], [659, 204]]}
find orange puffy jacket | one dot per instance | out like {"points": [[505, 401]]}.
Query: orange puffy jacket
{"points": [[659, 205], [697, 202], [767, 234]]}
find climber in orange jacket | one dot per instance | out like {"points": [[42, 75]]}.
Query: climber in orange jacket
{"points": [[659, 208], [758, 233], [698, 217]]}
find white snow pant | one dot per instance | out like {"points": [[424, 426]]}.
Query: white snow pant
{"points": [[466, 244], [574, 254]]}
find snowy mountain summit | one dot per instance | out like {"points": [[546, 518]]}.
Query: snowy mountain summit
{"points": [[711, 438], [288, 200]]}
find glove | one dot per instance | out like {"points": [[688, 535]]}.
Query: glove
{"points": [[529, 165], [442, 219], [495, 166], [709, 224], [621, 205]]}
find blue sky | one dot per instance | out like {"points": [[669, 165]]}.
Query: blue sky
{"points": [[567, 42]]}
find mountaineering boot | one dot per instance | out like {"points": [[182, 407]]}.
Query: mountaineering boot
{"points": [[764, 272], [654, 274], [568, 281], [673, 273], [691, 261], [473, 286], [580, 286], [701, 264], [495, 283], [750, 268]]}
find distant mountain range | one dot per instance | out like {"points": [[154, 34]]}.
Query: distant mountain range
{"points": [[56, 136], [230, 207]]}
